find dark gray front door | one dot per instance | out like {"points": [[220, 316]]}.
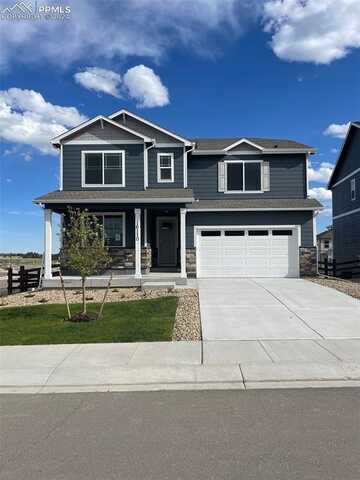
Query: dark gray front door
{"points": [[167, 241]]}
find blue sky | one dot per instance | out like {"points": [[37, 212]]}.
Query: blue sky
{"points": [[206, 68]]}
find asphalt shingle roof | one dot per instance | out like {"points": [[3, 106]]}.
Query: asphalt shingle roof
{"points": [[268, 203], [222, 143], [71, 196]]}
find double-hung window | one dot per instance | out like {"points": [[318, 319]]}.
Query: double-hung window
{"points": [[165, 167], [103, 168], [114, 229], [353, 189], [243, 176]]}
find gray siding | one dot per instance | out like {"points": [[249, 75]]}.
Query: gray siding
{"points": [[144, 129], [251, 218], [350, 156], [134, 166], [347, 238], [109, 132], [341, 195], [287, 176], [178, 167]]}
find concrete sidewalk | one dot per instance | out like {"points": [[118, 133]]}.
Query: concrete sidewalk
{"points": [[179, 365]]}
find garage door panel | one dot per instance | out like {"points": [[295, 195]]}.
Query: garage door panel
{"points": [[248, 253]]}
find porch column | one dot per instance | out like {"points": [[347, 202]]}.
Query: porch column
{"points": [[47, 242], [183, 242], [137, 243], [145, 228]]}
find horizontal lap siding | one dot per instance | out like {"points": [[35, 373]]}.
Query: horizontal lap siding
{"points": [[250, 218], [350, 156], [347, 238], [341, 195], [287, 176], [134, 166], [178, 167]]}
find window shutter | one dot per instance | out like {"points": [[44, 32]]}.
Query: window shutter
{"points": [[266, 176], [221, 177]]}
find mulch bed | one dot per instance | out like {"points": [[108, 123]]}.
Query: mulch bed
{"points": [[349, 287]]}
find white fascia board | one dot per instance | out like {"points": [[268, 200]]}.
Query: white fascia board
{"points": [[146, 122], [340, 153], [241, 141], [93, 120], [112, 200]]}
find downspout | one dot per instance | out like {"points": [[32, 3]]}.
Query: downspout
{"points": [[146, 168], [185, 172]]}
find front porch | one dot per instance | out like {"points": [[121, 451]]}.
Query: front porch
{"points": [[147, 244]]}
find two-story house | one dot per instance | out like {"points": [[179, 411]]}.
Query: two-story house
{"points": [[234, 207], [345, 186]]}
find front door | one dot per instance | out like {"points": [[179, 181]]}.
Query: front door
{"points": [[167, 241]]}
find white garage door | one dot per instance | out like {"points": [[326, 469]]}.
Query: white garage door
{"points": [[247, 252]]}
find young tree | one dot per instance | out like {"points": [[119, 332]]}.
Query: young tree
{"points": [[83, 248]]}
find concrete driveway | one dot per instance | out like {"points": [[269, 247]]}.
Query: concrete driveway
{"points": [[275, 309]]}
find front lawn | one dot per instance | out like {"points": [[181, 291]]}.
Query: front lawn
{"points": [[134, 321]]}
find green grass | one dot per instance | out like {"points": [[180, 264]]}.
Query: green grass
{"points": [[135, 321]]}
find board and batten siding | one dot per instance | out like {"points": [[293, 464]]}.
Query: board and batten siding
{"points": [[178, 153], [134, 166], [108, 132], [304, 219], [287, 176]]}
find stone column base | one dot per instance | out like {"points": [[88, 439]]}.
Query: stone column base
{"points": [[191, 262], [308, 261]]}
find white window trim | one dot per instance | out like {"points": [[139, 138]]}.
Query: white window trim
{"points": [[353, 189], [103, 185], [113, 214], [159, 155], [242, 191]]}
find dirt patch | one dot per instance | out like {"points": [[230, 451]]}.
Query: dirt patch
{"points": [[349, 287]]}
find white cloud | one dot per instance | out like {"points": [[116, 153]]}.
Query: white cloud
{"points": [[26, 118], [26, 156], [322, 173], [100, 80], [320, 193], [116, 30], [326, 212], [140, 83], [334, 150], [337, 130], [318, 31], [144, 86]]}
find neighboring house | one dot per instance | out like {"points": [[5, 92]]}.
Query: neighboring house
{"points": [[200, 207], [325, 244], [345, 186]]}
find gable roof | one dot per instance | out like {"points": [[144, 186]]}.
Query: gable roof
{"points": [[355, 124], [326, 234], [150, 124], [263, 144], [57, 140]]}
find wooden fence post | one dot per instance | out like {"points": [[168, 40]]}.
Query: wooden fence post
{"points": [[326, 266], [10, 281], [22, 274]]}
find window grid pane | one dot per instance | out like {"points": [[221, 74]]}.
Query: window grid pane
{"points": [[112, 169], [113, 231], [93, 168], [235, 176], [253, 176]]}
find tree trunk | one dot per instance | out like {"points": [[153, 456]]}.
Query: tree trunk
{"points": [[65, 297], [105, 295], [83, 294]]}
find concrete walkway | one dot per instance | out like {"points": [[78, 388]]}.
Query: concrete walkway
{"points": [[179, 365], [275, 309]]}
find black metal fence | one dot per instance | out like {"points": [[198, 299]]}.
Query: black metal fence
{"points": [[25, 279], [332, 268]]}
